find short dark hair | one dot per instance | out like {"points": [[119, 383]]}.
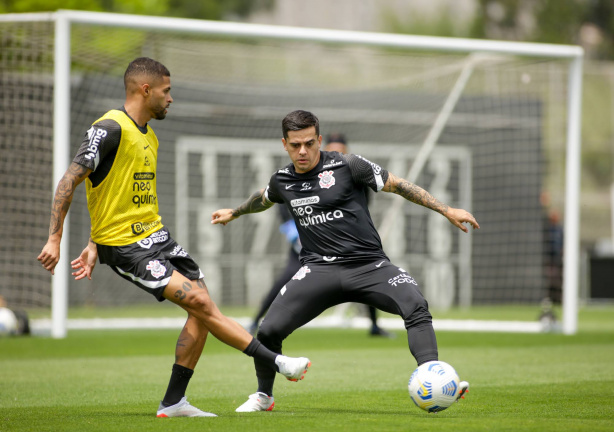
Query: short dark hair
{"points": [[144, 66], [299, 120], [336, 138]]}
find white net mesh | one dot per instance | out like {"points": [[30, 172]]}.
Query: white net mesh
{"points": [[221, 141], [26, 110]]}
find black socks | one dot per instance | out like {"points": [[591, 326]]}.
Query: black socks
{"points": [[260, 352], [180, 377]]}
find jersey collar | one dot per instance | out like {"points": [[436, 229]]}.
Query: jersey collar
{"points": [[142, 129]]}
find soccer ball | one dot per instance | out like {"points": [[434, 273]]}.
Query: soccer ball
{"points": [[8, 322], [434, 386]]}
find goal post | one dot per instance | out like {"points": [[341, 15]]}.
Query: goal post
{"points": [[425, 106]]}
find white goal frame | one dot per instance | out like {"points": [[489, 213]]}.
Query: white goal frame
{"points": [[61, 145]]}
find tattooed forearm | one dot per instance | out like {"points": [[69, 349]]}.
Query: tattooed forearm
{"points": [[254, 204], [415, 194], [63, 195]]}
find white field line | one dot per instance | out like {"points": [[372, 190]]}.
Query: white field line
{"points": [[43, 326]]}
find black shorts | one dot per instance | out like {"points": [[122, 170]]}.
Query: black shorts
{"points": [[317, 287], [149, 263]]}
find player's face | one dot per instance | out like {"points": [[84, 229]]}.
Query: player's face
{"points": [[160, 98], [303, 147]]}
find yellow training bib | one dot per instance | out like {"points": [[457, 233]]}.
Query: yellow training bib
{"points": [[124, 206]]}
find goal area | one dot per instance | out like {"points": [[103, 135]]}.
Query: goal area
{"points": [[484, 125]]}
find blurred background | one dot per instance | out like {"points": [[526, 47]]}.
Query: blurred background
{"points": [[588, 23]]}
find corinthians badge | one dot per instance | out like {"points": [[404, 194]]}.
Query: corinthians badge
{"points": [[326, 179]]}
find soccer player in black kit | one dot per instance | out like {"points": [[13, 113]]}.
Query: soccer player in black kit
{"points": [[342, 257]]}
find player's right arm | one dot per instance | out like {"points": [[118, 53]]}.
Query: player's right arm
{"points": [[95, 155], [256, 203], [73, 176]]}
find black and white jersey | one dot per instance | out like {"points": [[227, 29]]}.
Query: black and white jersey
{"points": [[329, 206]]}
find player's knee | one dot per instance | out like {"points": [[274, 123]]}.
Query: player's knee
{"points": [[270, 336], [201, 303], [420, 316]]}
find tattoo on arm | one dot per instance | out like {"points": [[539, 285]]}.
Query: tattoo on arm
{"points": [[201, 284], [63, 195], [187, 286], [256, 203], [415, 194]]}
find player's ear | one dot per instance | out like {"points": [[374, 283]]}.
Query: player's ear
{"points": [[145, 90], [283, 140], [319, 141]]}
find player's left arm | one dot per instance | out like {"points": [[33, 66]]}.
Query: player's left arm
{"points": [[417, 195], [83, 266], [256, 203]]}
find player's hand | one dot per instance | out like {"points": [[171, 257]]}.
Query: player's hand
{"points": [[83, 266], [50, 255], [222, 216], [459, 216]]}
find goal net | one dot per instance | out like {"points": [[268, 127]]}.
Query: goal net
{"points": [[481, 125]]}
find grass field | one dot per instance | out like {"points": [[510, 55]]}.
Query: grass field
{"points": [[113, 381]]}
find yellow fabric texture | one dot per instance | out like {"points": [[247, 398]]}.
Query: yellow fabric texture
{"points": [[124, 206]]}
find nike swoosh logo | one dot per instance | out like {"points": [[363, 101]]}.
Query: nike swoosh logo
{"points": [[146, 147], [289, 186], [379, 265]]}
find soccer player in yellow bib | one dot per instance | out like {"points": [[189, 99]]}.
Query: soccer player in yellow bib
{"points": [[117, 160]]}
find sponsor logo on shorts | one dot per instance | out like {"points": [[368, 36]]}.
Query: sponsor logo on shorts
{"points": [[301, 273], [327, 180], [179, 251], [157, 270], [402, 279], [141, 227], [157, 237]]}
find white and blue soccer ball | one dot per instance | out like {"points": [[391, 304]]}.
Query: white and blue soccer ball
{"points": [[8, 322], [434, 386]]}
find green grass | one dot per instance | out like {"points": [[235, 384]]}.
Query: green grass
{"points": [[113, 381]]}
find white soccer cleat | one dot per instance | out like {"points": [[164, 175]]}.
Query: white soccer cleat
{"points": [[293, 368], [257, 402], [463, 388], [182, 409]]}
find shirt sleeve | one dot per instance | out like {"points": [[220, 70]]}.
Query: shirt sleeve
{"points": [[366, 173], [271, 193], [100, 140]]}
